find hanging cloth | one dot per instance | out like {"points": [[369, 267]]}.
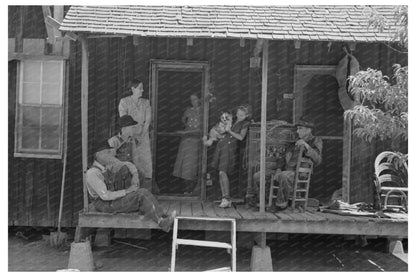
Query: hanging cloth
{"points": [[347, 66]]}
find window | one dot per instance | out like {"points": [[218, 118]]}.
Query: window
{"points": [[40, 109]]}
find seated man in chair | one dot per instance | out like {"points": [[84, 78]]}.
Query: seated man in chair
{"points": [[283, 169], [114, 187], [311, 147]]}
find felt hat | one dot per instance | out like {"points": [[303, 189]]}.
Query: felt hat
{"points": [[304, 122], [126, 120]]}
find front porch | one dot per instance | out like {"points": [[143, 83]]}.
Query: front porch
{"points": [[308, 222]]}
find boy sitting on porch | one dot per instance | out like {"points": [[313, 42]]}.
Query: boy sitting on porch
{"points": [[115, 188], [285, 172]]}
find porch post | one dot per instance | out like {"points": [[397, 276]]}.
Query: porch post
{"points": [[84, 115], [261, 259], [265, 61]]}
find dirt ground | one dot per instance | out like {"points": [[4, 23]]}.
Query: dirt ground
{"points": [[297, 253]]}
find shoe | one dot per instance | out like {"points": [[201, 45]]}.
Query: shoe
{"points": [[166, 223], [225, 203]]}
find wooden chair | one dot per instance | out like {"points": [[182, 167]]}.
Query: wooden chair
{"points": [[303, 174], [390, 179]]}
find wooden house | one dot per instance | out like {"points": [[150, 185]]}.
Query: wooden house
{"points": [[281, 60]]}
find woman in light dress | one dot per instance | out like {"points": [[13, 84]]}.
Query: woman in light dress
{"points": [[187, 160], [139, 109]]}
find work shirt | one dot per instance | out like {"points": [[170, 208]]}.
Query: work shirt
{"points": [[314, 153], [96, 183]]}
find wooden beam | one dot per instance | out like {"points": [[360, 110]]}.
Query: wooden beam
{"points": [[346, 160], [19, 29], [52, 22], [84, 115], [107, 36], [263, 125], [49, 30]]}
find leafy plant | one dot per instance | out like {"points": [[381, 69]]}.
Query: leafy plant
{"points": [[383, 109]]}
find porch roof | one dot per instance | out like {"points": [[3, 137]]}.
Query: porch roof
{"points": [[314, 23]]}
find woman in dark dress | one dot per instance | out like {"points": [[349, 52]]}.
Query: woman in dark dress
{"points": [[225, 154]]}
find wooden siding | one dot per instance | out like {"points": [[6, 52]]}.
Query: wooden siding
{"points": [[34, 184]]}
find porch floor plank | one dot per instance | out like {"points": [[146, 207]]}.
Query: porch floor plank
{"points": [[293, 215], [306, 216], [335, 217], [208, 209], [197, 209], [266, 215], [220, 212], [283, 216], [175, 205], [245, 213], [315, 216], [232, 212], [186, 208]]}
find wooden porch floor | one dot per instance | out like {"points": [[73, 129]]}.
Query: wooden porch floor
{"points": [[311, 222]]}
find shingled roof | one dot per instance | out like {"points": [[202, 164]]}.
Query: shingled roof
{"points": [[323, 23]]}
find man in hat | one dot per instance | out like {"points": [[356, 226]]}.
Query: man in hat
{"points": [[114, 187], [124, 143], [311, 148]]}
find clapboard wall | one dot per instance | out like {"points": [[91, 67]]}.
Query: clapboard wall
{"points": [[34, 184]]}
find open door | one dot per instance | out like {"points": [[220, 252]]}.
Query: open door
{"points": [[171, 85], [316, 96]]}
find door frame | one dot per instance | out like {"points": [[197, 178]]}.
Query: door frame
{"points": [[180, 66], [297, 112]]}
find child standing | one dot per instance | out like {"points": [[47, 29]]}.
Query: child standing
{"points": [[225, 154]]}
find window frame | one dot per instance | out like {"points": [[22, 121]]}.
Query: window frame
{"points": [[40, 153]]}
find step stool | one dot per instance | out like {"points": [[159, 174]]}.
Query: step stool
{"points": [[229, 246], [302, 179]]}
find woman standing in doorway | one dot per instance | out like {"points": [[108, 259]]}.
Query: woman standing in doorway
{"points": [[139, 109], [225, 154], [187, 160]]}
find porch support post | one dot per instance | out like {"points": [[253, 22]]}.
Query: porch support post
{"points": [[346, 160], [84, 115], [265, 61], [261, 259]]}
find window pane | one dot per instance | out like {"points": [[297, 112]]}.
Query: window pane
{"points": [[31, 117], [51, 94], [31, 71], [51, 117], [52, 72], [31, 93], [30, 138], [50, 128], [50, 139]]}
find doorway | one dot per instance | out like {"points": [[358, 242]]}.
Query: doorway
{"points": [[316, 96], [171, 85]]}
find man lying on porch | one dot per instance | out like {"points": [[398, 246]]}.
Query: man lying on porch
{"points": [[285, 172], [114, 187]]}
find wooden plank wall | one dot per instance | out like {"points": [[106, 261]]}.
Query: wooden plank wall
{"points": [[113, 62]]}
